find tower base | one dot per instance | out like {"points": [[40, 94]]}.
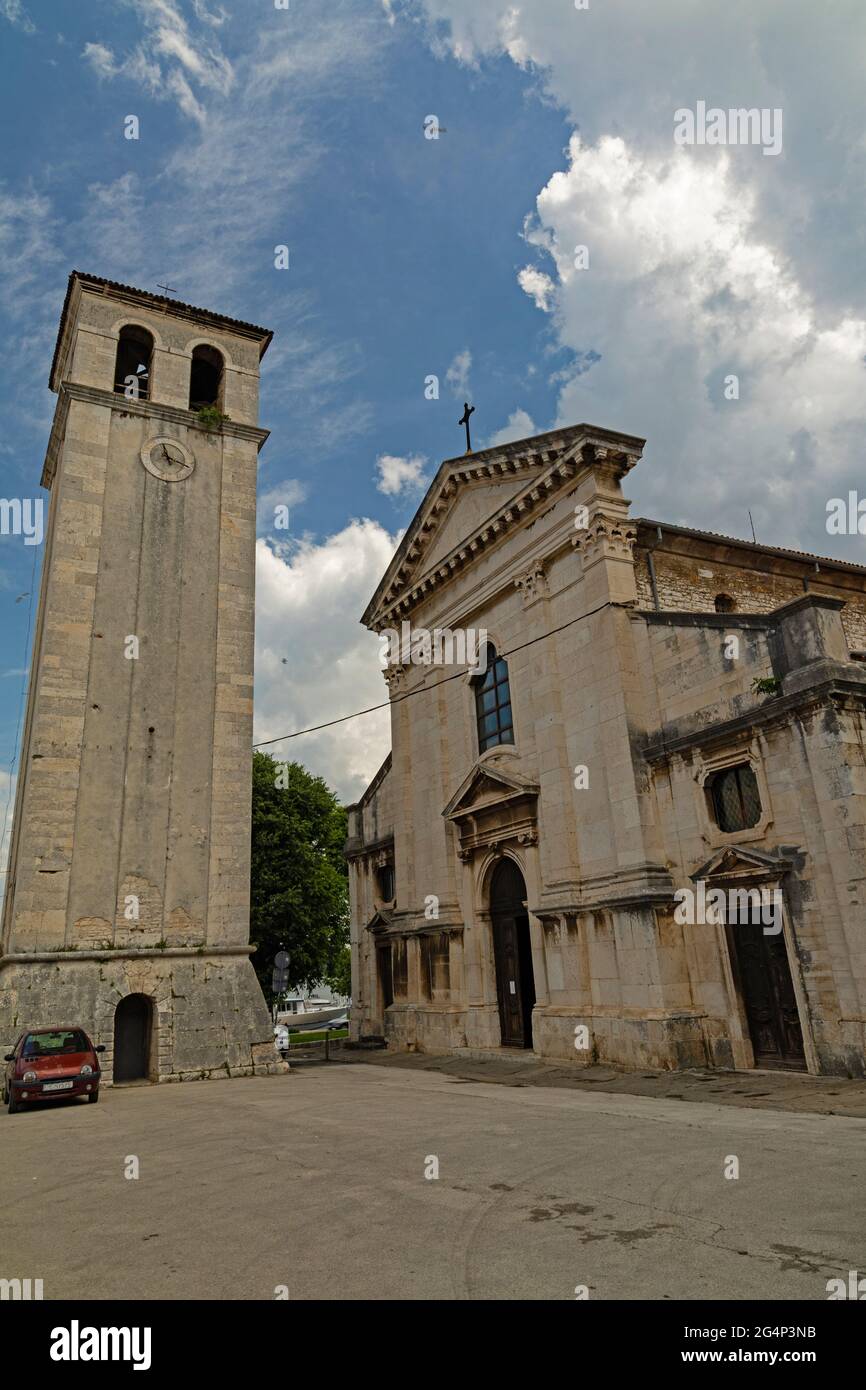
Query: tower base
{"points": [[187, 1015]]}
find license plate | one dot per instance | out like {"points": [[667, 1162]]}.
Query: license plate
{"points": [[57, 1086]]}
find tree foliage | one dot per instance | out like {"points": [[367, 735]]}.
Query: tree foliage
{"points": [[299, 883]]}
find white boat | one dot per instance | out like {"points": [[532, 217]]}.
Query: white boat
{"points": [[296, 1013]]}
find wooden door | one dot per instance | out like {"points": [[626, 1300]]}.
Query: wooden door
{"points": [[508, 982], [386, 977], [515, 983], [768, 996]]}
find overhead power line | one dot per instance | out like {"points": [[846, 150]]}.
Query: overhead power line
{"points": [[425, 689]]}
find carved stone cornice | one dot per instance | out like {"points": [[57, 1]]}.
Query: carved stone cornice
{"points": [[546, 462], [605, 537], [378, 852], [395, 679], [642, 887], [533, 584], [402, 600]]}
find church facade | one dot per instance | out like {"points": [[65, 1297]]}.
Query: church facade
{"points": [[624, 815]]}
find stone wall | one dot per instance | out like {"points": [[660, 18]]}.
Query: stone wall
{"points": [[691, 571], [132, 820], [207, 1010]]}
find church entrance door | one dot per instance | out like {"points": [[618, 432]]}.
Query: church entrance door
{"points": [[515, 983], [768, 993]]}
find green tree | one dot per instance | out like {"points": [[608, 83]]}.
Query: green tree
{"points": [[340, 978], [299, 882]]}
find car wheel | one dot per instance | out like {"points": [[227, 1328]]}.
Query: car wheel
{"points": [[93, 1097], [12, 1104]]}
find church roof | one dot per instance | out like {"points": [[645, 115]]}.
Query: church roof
{"points": [[534, 466], [644, 524], [114, 288]]}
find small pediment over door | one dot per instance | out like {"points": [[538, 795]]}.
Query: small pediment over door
{"points": [[380, 923], [492, 806], [737, 863]]}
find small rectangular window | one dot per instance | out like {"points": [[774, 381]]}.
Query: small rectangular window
{"points": [[385, 882], [735, 797]]}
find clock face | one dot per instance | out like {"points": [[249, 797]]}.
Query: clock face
{"points": [[167, 459]]}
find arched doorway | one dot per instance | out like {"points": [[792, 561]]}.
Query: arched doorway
{"points": [[133, 1025], [515, 982]]}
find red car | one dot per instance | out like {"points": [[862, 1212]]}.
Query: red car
{"points": [[49, 1064]]}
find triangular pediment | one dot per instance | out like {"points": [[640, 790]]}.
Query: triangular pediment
{"points": [[736, 861], [478, 499], [471, 505], [380, 921], [487, 786]]}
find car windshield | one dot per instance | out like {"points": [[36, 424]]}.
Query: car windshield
{"points": [[58, 1041]]}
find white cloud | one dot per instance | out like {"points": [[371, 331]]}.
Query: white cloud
{"points": [[29, 237], [537, 285], [705, 263], [115, 225], [682, 294], [31, 262], [205, 15], [254, 142], [388, 7], [457, 375], [188, 57], [289, 493], [14, 11], [101, 59], [177, 84], [314, 660], [520, 425], [400, 475]]}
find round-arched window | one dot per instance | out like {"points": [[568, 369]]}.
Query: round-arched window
{"points": [[133, 362], [493, 703], [205, 377]]}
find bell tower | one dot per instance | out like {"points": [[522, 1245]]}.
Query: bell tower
{"points": [[130, 854]]}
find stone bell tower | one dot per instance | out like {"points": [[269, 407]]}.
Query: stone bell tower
{"points": [[127, 906]]}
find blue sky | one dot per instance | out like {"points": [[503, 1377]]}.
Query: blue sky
{"points": [[411, 256]]}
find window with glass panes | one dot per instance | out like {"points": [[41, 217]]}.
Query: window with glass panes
{"points": [[736, 799], [493, 704]]}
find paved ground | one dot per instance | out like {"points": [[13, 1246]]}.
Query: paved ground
{"points": [[766, 1090], [316, 1180]]}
